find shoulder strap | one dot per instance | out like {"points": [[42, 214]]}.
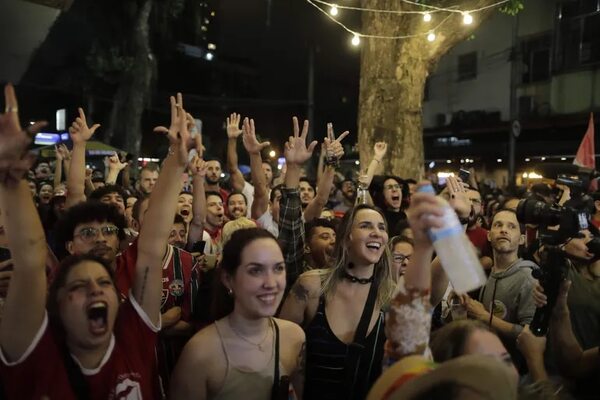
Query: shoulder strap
{"points": [[356, 348]]}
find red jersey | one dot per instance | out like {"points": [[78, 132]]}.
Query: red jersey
{"points": [[180, 282], [127, 370]]}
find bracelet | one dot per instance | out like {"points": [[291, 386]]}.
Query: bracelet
{"points": [[332, 162]]}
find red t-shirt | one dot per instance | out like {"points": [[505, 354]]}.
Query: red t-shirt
{"points": [[127, 371], [478, 236]]}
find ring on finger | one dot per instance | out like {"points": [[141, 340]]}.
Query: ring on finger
{"points": [[11, 109]]}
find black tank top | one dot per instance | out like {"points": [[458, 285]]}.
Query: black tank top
{"points": [[326, 360]]}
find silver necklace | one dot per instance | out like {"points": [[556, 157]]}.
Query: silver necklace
{"points": [[259, 344]]}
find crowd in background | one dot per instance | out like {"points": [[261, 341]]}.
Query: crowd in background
{"points": [[169, 281]]}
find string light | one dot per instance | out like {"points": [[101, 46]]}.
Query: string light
{"points": [[333, 10], [467, 18], [427, 17], [431, 9], [355, 40]]}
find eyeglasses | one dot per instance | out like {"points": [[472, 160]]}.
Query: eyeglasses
{"points": [[89, 234], [400, 258], [392, 187]]}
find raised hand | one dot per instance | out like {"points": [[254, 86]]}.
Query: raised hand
{"points": [[80, 131], [425, 212], [178, 133], [296, 151], [233, 126], [380, 149], [62, 152], [458, 198], [198, 167], [251, 143], [115, 163], [333, 147], [15, 161]]}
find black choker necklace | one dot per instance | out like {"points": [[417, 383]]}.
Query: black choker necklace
{"points": [[354, 279]]}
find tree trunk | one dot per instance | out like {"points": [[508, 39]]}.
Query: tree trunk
{"points": [[133, 92], [392, 80]]}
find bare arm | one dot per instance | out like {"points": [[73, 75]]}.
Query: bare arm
{"points": [[57, 168], [189, 379], [233, 132], [335, 152], [115, 166], [198, 170], [80, 134], [152, 243], [24, 309], [253, 147], [375, 165]]}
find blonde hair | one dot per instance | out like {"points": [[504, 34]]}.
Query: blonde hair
{"points": [[382, 271], [232, 226]]}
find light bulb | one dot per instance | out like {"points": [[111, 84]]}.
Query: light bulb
{"points": [[431, 36], [426, 17], [334, 10], [355, 40], [467, 18]]}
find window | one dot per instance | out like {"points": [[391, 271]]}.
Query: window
{"points": [[536, 58], [578, 34], [467, 66]]}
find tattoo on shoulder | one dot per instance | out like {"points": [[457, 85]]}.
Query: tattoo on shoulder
{"points": [[300, 292], [143, 291]]}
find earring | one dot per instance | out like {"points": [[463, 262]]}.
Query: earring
{"points": [[230, 291]]}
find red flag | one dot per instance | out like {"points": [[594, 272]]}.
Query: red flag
{"points": [[586, 154]]}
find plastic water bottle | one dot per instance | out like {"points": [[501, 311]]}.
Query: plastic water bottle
{"points": [[456, 253]]}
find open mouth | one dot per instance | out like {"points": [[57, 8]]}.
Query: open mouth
{"points": [[373, 245], [184, 212], [97, 314], [395, 198], [268, 298]]}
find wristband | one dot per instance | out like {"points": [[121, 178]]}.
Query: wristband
{"points": [[332, 162]]}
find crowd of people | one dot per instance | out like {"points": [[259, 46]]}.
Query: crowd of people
{"points": [[172, 282]]}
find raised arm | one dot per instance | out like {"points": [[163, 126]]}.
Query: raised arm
{"points": [[409, 314], [233, 132], [58, 167], [334, 152], [198, 170], [379, 151], [291, 226], [24, 309], [115, 166], [80, 133], [253, 147], [154, 234]]}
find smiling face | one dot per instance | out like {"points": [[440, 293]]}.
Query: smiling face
{"points": [[368, 238], [321, 243], [88, 305], [178, 235], [236, 205], [259, 282], [505, 233], [392, 194]]}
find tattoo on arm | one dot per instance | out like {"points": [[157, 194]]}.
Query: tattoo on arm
{"points": [[300, 292], [301, 366], [143, 291]]}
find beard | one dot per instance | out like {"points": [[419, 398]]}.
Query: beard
{"points": [[211, 181]]}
